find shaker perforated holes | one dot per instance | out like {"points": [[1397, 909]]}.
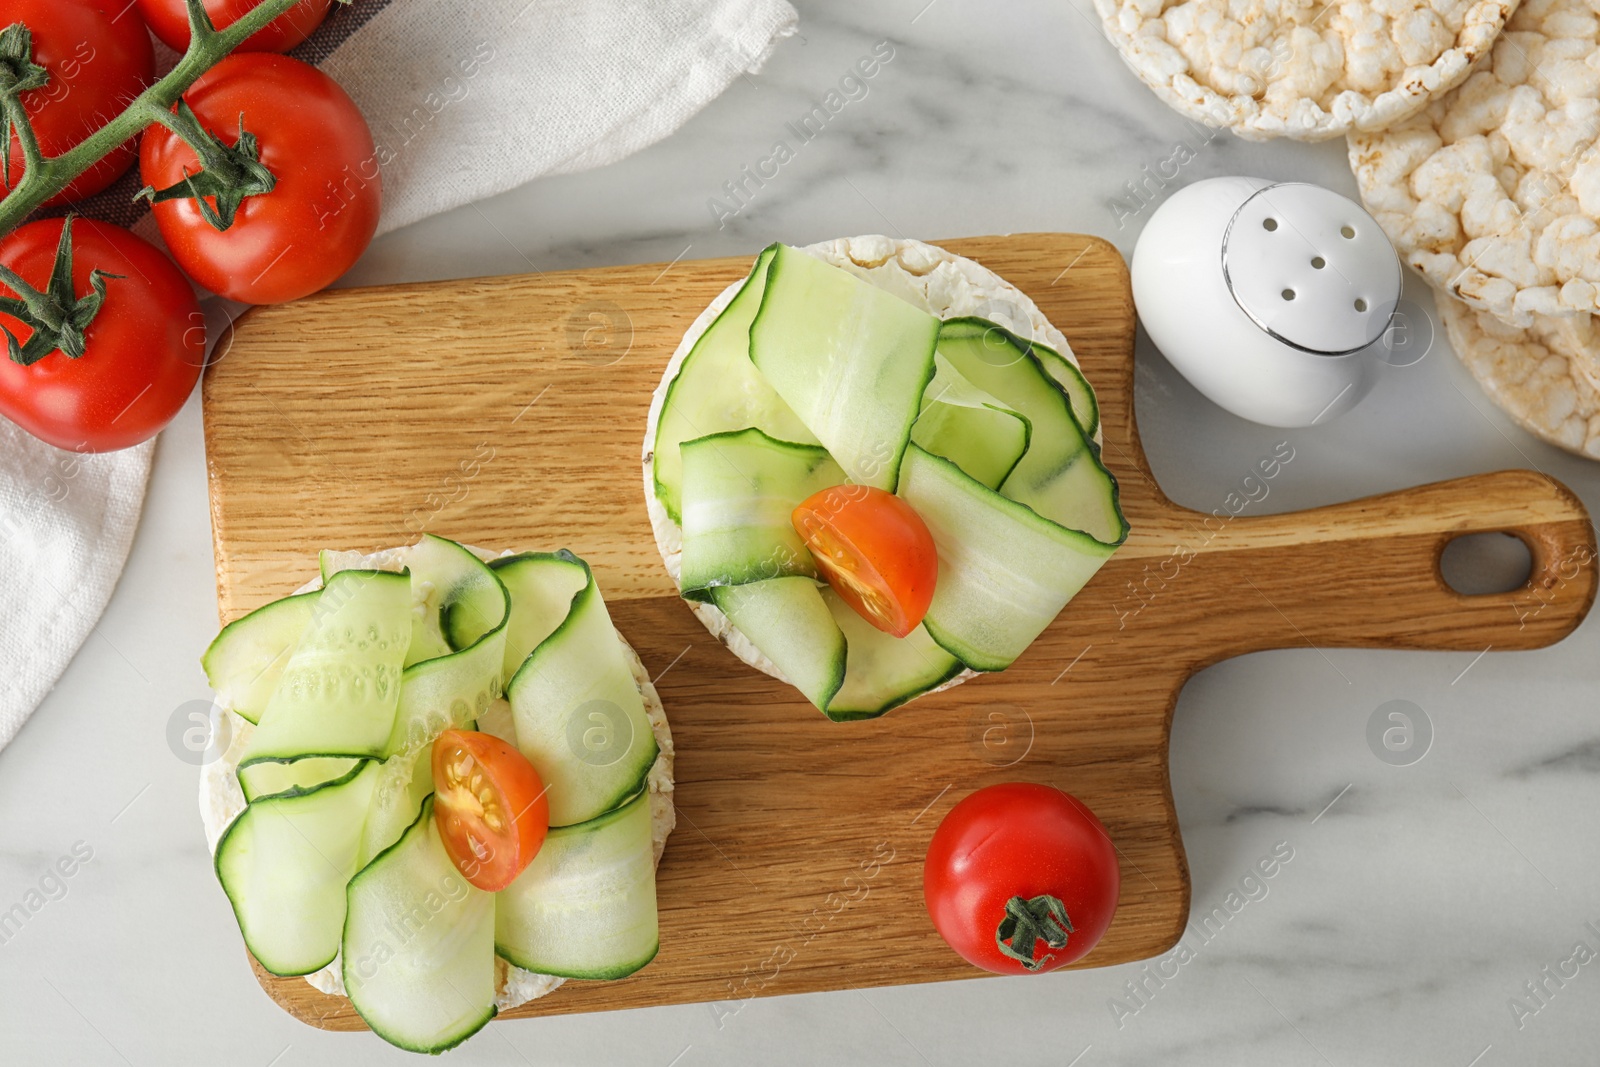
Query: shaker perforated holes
{"points": [[1308, 269]]}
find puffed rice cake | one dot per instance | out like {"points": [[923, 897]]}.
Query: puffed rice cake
{"points": [[1493, 192], [1544, 376], [1304, 69]]}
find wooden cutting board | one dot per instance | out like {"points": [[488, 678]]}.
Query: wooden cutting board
{"points": [[509, 412]]}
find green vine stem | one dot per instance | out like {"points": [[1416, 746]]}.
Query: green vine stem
{"points": [[44, 176]]}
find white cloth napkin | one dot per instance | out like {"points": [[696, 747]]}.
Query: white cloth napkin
{"points": [[66, 522], [465, 101], [469, 100]]}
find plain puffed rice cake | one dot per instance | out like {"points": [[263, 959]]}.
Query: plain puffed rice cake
{"points": [[1543, 376], [1304, 69], [1493, 192]]}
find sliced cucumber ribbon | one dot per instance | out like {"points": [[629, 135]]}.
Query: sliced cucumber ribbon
{"points": [[1005, 571], [339, 690], [968, 426], [247, 659], [991, 433], [285, 862], [851, 360], [418, 962], [579, 716], [586, 906], [740, 491], [1060, 477], [718, 389]]}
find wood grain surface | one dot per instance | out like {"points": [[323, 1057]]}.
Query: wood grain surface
{"points": [[508, 412]]}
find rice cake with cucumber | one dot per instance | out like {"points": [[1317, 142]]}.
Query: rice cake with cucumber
{"points": [[876, 366], [426, 639]]}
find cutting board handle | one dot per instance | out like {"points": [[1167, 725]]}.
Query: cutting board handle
{"points": [[1374, 572]]}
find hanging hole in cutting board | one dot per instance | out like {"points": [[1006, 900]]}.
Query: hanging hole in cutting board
{"points": [[1485, 563]]}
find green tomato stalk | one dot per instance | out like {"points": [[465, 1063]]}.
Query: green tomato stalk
{"points": [[1026, 922], [230, 173], [56, 314]]}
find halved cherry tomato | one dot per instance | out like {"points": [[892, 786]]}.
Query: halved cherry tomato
{"points": [[875, 551], [490, 805], [169, 20]]}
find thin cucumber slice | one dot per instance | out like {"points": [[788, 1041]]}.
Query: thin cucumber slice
{"points": [[1081, 496], [1004, 572], [1061, 476], [247, 658], [841, 663], [851, 360], [579, 717], [739, 491], [285, 862], [586, 906], [789, 622], [276, 777], [541, 585], [403, 782], [461, 599], [969, 427], [338, 692], [456, 590], [447, 693], [419, 945], [471, 609], [716, 389], [1085, 407], [883, 671], [1005, 345]]}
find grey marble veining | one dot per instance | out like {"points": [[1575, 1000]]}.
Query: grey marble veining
{"points": [[1422, 903]]}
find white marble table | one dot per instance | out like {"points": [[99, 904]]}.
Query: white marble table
{"points": [[1419, 900]]}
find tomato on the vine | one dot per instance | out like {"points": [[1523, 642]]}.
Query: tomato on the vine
{"points": [[490, 806], [323, 211], [169, 20], [876, 552], [98, 56], [1021, 878], [141, 352]]}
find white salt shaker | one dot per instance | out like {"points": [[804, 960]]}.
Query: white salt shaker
{"points": [[1273, 299]]}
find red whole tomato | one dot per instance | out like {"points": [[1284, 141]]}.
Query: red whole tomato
{"points": [[321, 215], [99, 58], [142, 352], [876, 552], [1021, 878], [490, 806], [169, 20]]}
